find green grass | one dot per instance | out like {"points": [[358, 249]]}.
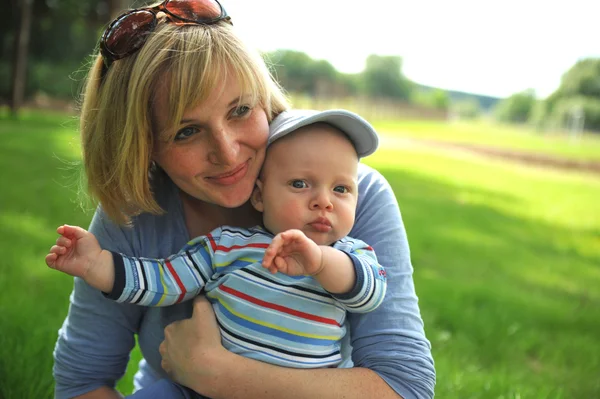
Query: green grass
{"points": [[523, 138], [38, 156], [506, 257], [507, 269]]}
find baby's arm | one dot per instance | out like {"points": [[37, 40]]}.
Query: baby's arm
{"points": [[78, 253], [349, 270], [294, 254], [163, 282], [371, 278]]}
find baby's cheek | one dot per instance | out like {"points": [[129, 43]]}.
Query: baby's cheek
{"points": [[292, 216], [281, 218], [347, 216]]}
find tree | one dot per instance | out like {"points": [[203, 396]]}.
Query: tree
{"points": [[583, 79], [299, 73], [382, 77], [579, 92], [467, 108], [292, 69], [434, 98], [116, 7], [21, 48], [516, 108], [63, 35]]}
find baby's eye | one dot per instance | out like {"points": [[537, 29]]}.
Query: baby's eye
{"points": [[298, 184], [341, 189], [185, 133]]}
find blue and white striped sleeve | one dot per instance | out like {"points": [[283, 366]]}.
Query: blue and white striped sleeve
{"points": [[371, 280], [164, 282]]}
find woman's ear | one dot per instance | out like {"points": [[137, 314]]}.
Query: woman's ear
{"points": [[256, 198]]}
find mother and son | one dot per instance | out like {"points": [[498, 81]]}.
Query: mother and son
{"points": [[209, 184]]}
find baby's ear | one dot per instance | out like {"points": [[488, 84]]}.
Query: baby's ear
{"points": [[256, 197]]}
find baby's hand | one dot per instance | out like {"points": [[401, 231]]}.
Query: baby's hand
{"points": [[293, 253], [75, 252]]}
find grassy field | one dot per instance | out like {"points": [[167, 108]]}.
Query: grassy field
{"points": [[522, 138], [506, 257]]}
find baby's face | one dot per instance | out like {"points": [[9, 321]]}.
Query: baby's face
{"points": [[309, 182]]}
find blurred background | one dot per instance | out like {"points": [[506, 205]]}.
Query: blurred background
{"points": [[489, 116]]}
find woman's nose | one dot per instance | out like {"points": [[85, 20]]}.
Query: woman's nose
{"points": [[224, 148]]}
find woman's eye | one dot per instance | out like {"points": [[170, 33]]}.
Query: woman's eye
{"points": [[241, 110], [341, 189], [299, 184], [185, 133]]}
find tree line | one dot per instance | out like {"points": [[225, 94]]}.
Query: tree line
{"points": [[58, 36], [46, 46], [575, 102]]}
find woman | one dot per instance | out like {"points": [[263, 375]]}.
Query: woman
{"points": [[174, 128]]}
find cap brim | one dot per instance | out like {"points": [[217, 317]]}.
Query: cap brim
{"points": [[358, 130]]}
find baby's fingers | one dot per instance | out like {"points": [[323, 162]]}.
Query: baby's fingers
{"points": [[280, 263], [63, 241], [292, 235], [277, 242], [272, 251], [71, 231], [58, 250], [268, 257], [51, 259], [272, 269]]}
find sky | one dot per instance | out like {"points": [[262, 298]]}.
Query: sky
{"points": [[494, 48]]}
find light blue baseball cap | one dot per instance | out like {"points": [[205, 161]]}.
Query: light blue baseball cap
{"points": [[359, 131]]}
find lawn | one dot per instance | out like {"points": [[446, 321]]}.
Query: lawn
{"points": [[39, 180], [507, 269], [506, 257]]}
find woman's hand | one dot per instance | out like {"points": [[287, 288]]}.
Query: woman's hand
{"points": [[191, 346]]}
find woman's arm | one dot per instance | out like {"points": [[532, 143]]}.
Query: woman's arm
{"points": [[93, 345], [246, 378], [391, 355], [193, 356], [390, 340], [260, 380], [101, 393]]}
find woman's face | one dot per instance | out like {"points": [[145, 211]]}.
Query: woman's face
{"points": [[218, 147]]}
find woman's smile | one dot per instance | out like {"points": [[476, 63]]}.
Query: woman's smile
{"points": [[230, 177]]}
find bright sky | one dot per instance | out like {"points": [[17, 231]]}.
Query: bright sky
{"points": [[494, 48]]}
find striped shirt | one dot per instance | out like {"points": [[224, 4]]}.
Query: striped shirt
{"points": [[285, 320]]}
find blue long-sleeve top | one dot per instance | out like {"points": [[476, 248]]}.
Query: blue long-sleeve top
{"points": [[94, 342]]}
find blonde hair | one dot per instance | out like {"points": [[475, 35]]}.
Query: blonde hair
{"points": [[116, 116]]}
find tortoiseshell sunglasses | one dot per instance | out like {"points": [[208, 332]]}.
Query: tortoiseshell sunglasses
{"points": [[127, 33]]}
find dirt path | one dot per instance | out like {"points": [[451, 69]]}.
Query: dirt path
{"points": [[537, 159]]}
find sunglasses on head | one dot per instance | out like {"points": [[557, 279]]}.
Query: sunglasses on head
{"points": [[128, 32]]}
